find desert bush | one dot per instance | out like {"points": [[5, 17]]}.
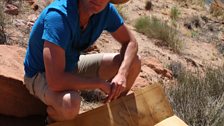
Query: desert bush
{"points": [[199, 99], [2, 25], [155, 28], [197, 2], [217, 11], [176, 68], [2, 18], [174, 13], [220, 47]]}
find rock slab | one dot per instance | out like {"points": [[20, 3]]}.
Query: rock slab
{"points": [[15, 98]]}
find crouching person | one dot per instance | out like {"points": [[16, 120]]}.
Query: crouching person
{"points": [[54, 69]]}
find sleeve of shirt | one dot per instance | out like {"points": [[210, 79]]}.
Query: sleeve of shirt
{"points": [[56, 29], [113, 20]]}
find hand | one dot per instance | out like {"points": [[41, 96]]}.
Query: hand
{"points": [[118, 85]]}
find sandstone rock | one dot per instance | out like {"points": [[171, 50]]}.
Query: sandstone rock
{"points": [[15, 98], [19, 22], [11, 9], [28, 121], [140, 83], [11, 63], [92, 49], [31, 2], [157, 67]]}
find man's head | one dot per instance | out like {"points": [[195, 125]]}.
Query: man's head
{"points": [[95, 6]]}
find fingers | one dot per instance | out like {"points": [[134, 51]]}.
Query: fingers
{"points": [[108, 89], [112, 93], [116, 90]]}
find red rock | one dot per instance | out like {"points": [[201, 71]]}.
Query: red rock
{"points": [[11, 9], [15, 98], [157, 66], [140, 83], [31, 2], [92, 48]]}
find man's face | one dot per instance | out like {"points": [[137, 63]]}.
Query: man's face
{"points": [[95, 6]]}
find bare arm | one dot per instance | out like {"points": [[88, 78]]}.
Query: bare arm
{"points": [[58, 79], [129, 48]]}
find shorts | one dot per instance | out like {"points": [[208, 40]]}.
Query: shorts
{"points": [[88, 66]]}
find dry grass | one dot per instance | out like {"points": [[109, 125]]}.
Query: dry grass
{"points": [[220, 47], [174, 13], [217, 11], [196, 2], [155, 28], [199, 100], [2, 18], [2, 25]]}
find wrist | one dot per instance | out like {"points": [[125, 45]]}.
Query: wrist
{"points": [[122, 73]]}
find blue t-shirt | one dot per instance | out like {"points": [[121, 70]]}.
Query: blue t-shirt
{"points": [[59, 24]]}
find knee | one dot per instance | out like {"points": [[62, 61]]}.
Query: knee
{"points": [[70, 105]]}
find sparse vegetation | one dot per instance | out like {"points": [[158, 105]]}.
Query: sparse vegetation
{"points": [[220, 47], [2, 25], [199, 99], [174, 13], [197, 2], [155, 28], [217, 11], [176, 68], [194, 34]]}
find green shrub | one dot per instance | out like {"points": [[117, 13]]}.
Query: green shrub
{"points": [[199, 99], [174, 13], [154, 28], [176, 68]]}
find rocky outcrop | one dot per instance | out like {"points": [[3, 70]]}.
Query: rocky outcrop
{"points": [[157, 66], [11, 9], [15, 98]]}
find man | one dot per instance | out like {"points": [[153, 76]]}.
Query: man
{"points": [[54, 69]]}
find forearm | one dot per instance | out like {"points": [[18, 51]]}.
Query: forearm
{"points": [[128, 53], [57, 79], [70, 81]]}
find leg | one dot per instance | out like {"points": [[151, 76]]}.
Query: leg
{"points": [[110, 65], [65, 105], [62, 105]]}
